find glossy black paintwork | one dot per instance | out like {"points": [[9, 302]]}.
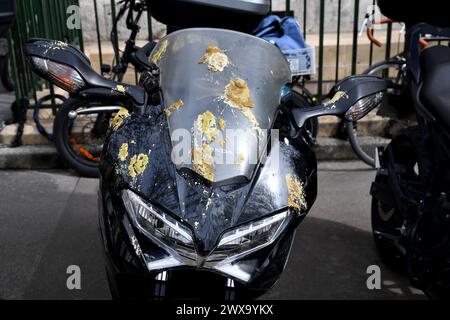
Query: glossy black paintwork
{"points": [[208, 211]]}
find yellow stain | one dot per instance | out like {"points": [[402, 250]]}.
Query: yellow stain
{"points": [[123, 152], [237, 94], [222, 124], [174, 106], [120, 88], [296, 196], [138, 164], [203, 162], [117, 121], [240, 159], [207, 125], [216, 59], [159, 54]]}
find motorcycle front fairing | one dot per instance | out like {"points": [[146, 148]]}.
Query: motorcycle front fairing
{"points": [[211, 206]]}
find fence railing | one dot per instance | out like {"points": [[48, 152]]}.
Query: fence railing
{"points": [[37, 19], [47, 18]]}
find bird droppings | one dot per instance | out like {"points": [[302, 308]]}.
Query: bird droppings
{"points": [[123, 152], [296, 195], [160, 53], [118, 120], [240, 159], [138, 164], [203, 163], [206, 124], [237, 94], [120, 89], [174, 106], [221, 123], [337, 96], [216, 59]]}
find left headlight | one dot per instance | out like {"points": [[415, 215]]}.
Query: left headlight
{"points": [[61, 75], [154, 223]]}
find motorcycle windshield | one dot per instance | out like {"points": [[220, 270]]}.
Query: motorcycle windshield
{"points": [[221, 90]]}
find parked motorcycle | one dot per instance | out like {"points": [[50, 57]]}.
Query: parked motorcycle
{"points": [[173, 217], [410, 194]]}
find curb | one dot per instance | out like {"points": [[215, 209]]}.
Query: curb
{"points": [[40, 157], [35, 157], [335, 149]]}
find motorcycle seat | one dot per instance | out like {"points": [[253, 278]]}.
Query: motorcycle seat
{"points": [[435, 92]]}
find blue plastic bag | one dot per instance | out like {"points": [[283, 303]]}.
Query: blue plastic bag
{"points": [[285, 33]]}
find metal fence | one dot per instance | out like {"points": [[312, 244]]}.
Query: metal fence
{"points": [[37, 19], [47, 18]]}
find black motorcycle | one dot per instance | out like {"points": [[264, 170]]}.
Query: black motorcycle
{"points": [[411, 193], [205, 177]]}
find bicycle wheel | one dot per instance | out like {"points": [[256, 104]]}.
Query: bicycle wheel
{"points": [[79, 140], [393, 70], [39, 118]]}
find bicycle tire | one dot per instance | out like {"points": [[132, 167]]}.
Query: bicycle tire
{"points": [[61, 131], [350, 125], [36, 118]]}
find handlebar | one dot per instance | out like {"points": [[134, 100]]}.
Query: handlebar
{"points": [[375, 41]]}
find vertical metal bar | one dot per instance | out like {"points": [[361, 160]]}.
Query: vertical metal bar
{"points": [[371, 44], [304, 19], [58, 17], [355, 37], [113, 17], [338, 40], [370, 53], [22, 36], [288, 7], [388, 41], [321, 40], [97, 26], [53, 22], [80, 32]]}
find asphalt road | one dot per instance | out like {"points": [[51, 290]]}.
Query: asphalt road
{"points": [[48, 221]]}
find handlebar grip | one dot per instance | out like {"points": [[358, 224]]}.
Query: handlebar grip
{"points": [[423, 42], [372, 39]]}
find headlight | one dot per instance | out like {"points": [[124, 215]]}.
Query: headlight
{"points": [[154, 223], [250, 237], [59, 74], [364, 106]]}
